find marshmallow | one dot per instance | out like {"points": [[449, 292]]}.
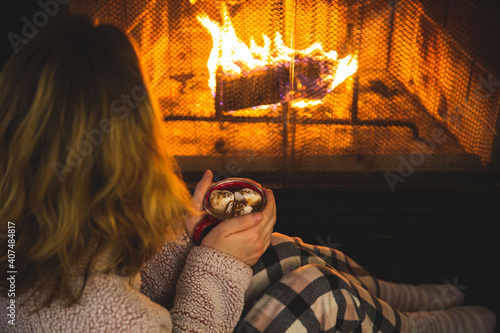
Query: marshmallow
{"points": [[238, 197], [219, 200], [252, 198], [237, 209], [242, 209]]}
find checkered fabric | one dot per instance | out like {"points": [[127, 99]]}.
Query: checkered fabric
{"points": [[297, 287]]}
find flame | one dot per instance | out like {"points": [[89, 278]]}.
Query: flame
{"points": [[347, 67], [305, 103], [235, 58]]}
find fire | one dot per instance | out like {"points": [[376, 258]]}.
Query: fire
{"points": [[305, 103], [233, 58]]}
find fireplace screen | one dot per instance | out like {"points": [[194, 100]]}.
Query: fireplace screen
{"points": [[309, 91]]}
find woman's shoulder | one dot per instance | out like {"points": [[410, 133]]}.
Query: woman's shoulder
{"points": [[108, 303]]}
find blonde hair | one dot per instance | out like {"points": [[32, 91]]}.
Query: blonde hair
{"points": [[84, 158]]}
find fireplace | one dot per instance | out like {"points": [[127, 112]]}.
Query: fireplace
{"points": [[324, 92]]}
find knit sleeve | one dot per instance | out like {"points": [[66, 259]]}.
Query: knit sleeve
{"points": [[210, 292], [159, 275]]}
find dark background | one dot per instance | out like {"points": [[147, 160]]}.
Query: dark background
{"points": [[414, 235], [421, 233]]}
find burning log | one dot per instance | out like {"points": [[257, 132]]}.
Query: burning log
{"points": [[243, 77], [271, 84]]}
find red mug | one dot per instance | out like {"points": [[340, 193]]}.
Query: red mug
{"points": [[212, 219]]}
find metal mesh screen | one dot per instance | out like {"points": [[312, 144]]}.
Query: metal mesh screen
{"points": [[394, 82]]}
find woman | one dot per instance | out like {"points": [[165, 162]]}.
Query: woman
{"points": [[102, 222]]}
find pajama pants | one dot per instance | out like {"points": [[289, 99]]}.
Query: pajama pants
{"points": [[297, 287]]}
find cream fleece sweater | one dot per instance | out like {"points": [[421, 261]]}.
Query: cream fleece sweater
{"points": [[202, 288]]}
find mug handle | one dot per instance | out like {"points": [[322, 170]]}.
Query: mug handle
{"points": [[203, 228]]}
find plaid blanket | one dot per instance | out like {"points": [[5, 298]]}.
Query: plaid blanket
{"points": [[297, 287]]}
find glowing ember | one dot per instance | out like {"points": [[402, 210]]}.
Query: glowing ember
{"points": [[317, 72], [306, 103]]}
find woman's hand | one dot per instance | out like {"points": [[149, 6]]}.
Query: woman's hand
{"points": [[197, 202], [245, 237]]}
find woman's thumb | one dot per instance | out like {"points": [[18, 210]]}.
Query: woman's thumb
{"points": [[241, 223], [202, 188]]}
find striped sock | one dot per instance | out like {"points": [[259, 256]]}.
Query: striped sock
{"points": [[460, 319], [425, 297]]}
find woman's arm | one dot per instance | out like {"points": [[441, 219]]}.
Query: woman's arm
{"points": [[210, 292], [159, 276]]}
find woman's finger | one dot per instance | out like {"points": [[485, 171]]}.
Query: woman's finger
{"points": [[202, 188], [270, 203], [267, 242], [240, 223], [269, 212]]}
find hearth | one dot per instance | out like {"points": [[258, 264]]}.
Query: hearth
{"points": [[324, 92]]}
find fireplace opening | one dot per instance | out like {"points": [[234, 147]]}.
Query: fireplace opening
{"points": [[299, 92]]}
